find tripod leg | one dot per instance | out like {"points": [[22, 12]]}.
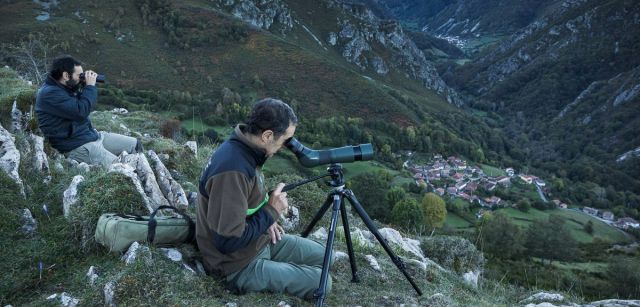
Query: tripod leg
{"points": [[322, 289], [347, 237], [318, 216], [372, 227]]}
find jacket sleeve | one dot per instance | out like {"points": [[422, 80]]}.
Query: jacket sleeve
{"points": [[60, 104], [233, 230]]}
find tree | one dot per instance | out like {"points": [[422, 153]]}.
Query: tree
{"points": [[550, 239], [500, 237], [524, 205], [407, 214], [30, 58], [371, 190], [588, 227], [395, 195], [434, 210], [624, 277]]}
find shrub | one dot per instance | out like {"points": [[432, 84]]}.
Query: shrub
{"points": [[407, 214], [170, 128], [454, 253]]}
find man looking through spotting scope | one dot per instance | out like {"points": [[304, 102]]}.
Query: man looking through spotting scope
{"points": [[237, 230], [63, 105]]}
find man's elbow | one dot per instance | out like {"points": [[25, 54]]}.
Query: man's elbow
{"points": [[225, 245]]}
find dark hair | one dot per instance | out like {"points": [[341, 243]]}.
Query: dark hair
{"points": [[61, 64], [270, 114]]}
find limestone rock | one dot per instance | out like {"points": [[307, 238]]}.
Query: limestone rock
{"points": [[333, 39], [29, 223], [291, 219], [143, 171], [338, 255], [542, 297], [172, 253], [283, 304], [83, 167], [379, 65], [58, 166], [40, 161], [70, 195], [92, 275], [262, 14], [192, 146], [135, 251], [373, 263], [16, 118], [395, 238], [109, 294], [471, 278], [615, 303], [119, 111], [362, 238], [171, 189], [65, 299], [320, 234], [10, 158]]}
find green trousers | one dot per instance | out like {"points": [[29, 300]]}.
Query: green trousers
{"points": [[104, 150], [292, 265]]}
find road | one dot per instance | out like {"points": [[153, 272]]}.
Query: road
{"points": [[544, 199]]}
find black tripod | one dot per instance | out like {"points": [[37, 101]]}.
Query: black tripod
{"points": [[336, 198]]}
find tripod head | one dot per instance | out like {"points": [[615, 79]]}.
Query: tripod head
{"points": [[337, 175]]}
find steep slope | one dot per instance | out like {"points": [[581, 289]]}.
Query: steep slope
{"points": [[376, 47], [180, 56], [466, 18], [569, 81]]}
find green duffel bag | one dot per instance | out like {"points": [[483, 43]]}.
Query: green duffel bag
{"points": [[117, 231]]}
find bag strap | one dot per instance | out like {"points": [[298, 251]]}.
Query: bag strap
{"points": [[151, 232]]}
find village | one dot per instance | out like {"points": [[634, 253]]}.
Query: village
{"points": [[453, 177]]}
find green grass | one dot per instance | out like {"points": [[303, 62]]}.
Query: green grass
{"points": [[575, 222], [196, 126], [454, 221], [492, 171], [589, 267]]}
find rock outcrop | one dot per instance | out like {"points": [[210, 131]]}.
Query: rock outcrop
{"points": [[271, 15], [143, 171], [40, 160], [356, 41], [171, 189], [10, 158], [70, 195]]}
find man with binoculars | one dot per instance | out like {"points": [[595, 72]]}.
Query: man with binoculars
{"points": [[63, 105], [237, 230]]}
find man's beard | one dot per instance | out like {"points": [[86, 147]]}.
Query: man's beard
{"points": [[72, 85]]}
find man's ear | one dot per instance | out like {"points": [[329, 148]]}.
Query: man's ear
{"points": [[65, 75], [267, 136]]}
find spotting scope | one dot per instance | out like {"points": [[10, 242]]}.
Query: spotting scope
{"points": [[310, 158]]}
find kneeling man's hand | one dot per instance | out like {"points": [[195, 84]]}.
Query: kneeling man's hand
{"points": [[276, 232]]}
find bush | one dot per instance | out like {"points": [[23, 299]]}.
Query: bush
{"points": [[170, 128], [454, 253], [407, 214], [103, 193]]}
